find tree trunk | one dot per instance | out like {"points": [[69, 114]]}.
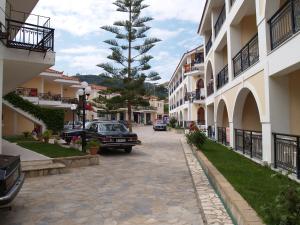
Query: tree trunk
{"points": [[129, 69], [129, 117]]}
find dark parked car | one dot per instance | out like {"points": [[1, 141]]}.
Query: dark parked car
{"points": [[160, 126], [110, 134], [11, 178]]}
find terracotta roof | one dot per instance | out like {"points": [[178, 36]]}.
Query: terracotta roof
{"points": [[98, 87], [64, 77]]}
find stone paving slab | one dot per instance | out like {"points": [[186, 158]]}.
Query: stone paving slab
{"points": [[150, 186], [212, 206]]}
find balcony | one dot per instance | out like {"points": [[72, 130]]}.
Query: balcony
{"points": [[222, 77], [285, 23], [249, 143], [32, 95], [208, 45], [220, 21], [32, 36], [247, 57], [287, 153]]}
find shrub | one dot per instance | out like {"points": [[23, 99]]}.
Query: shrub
{"points": [[47, 135], [173, 122], [26, 134], [196, 138], [285, 209], [93, 144], [53, 118]]}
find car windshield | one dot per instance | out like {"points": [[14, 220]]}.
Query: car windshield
{"points": [[111, 127], [159, 122]]}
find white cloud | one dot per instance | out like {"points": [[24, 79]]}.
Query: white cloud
{"points": [[83, 17], [164, 34]]}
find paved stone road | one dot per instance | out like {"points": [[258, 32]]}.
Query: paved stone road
{"points": [[150, 186]]}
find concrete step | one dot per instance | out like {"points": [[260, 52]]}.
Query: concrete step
{"points": [[37, 170], [36, 162]]}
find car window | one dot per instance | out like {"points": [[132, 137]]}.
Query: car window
{"points": [[112, 127], [94, 127]]}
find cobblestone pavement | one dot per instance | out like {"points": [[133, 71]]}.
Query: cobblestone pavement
{"points": [[150, 186], [212, 208]]}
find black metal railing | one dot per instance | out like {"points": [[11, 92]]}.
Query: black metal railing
{"points": [[220, 21], [208, 45], [50, 97], [285, 23], [210, 88], [67, 100], [249, 143], [222, 77], [248, 56], [287, 153], [29, 36], [222, 136], [211, 132]]}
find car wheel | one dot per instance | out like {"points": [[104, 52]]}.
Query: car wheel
{"points": [[128, 150]]}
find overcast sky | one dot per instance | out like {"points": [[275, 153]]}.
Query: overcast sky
{"points": [[79, 40]]}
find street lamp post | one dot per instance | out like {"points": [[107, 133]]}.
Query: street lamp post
{"points": [[84, 92], [73, 108]]}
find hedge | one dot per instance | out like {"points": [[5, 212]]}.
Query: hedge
{"points": [[53, 118]]}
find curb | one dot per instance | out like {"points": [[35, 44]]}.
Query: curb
{"points": [[242, 212]]}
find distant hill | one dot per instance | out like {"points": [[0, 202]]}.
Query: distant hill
{"points": [[157, 90]]}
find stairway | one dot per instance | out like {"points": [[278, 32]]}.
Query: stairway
{"points": [[40, 168]]}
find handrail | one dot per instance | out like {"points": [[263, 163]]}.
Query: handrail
{"points": [[208, 45], [220, 21], [222, 77], [246, 57]]}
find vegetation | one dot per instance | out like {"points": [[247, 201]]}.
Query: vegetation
{"points": [[18, 138], [47, 135], [53, 118], [260, 186], [173, 122], [93, 144], [285, 209], [159, 91], [50, 150], [26, 134], [196, 138], [129, 58]]}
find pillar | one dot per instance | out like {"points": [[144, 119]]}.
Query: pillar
{"points": [[267, 143], [1, 95], [232, 137]]}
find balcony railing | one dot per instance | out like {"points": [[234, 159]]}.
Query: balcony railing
{"points": [[222, 77], [210, 88], [248, 56], [249, 143], [208, 45], [211, 132], [220, 21], [222, 135], [285, 23], [33, 92], [287, 153]]}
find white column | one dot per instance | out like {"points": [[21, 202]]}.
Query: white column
{"points": [[1, 95], [267, 142], [43, 86], [62, 90]]}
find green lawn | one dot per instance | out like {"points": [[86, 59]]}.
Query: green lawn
{"points": [[257, 184], [49, 150], [15, 139]]}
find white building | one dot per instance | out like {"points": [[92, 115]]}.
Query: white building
{"points": [[26, 49], [252, 58], [186, 89]]}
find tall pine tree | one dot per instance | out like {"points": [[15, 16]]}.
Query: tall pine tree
{"points": [[129, 57]]}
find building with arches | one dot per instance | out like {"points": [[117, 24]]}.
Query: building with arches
{"points": [[252, 78], [186, 89]]}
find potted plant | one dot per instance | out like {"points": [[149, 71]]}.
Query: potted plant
{"points": [[47, 135], [93, 146]]}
